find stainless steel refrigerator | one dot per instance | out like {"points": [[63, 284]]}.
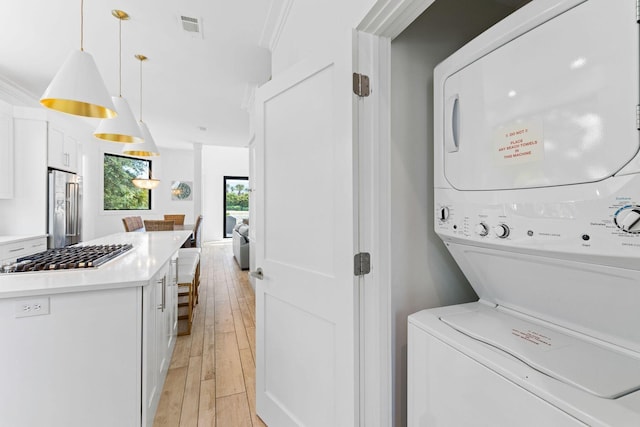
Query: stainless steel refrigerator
{"points": [[65, 209]]}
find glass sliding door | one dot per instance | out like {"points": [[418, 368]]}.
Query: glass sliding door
{"points": [[236, 202]]}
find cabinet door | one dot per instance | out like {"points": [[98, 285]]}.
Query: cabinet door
{"points": [[71, 153], [151, 299], [162, 315], [171, 318], [6, 151], [62, 150]]}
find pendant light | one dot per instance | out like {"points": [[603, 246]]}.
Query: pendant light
{"points": [[146, 183], [148, 147], [78, 88], [123, 128]]}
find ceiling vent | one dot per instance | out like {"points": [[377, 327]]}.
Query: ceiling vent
{"points": [[192, 26]]}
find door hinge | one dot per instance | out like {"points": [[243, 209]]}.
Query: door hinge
{"points": [[638, 11], [361, 84], [362, 264], [638, 117]]}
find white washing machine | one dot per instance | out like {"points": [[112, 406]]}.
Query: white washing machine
{"points": [[537, 192]]}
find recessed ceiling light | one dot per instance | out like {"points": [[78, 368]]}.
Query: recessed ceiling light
{"points": [[578, 63]]}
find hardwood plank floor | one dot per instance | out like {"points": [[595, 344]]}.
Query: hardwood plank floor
{"points": [[211, 379]]}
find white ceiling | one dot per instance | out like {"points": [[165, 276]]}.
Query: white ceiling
{"points": [[189, 83]]}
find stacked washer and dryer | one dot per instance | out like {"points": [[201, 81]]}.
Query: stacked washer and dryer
{"points": [[537, 192]]}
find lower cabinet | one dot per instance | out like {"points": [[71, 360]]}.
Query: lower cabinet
{"points": [[96, 358], [159, 322]]}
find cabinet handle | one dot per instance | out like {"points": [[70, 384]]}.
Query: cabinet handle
{"points": [[164, 293], [162, 281], [16, 249], [175, 261]]}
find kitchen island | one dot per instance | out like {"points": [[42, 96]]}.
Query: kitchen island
{"points": [[90, 347]]}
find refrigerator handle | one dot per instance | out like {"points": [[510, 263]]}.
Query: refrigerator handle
{"points": [[72, 209], [452, 124]]}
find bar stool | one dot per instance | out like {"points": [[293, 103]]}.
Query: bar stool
{"points": [[188, 279], [188, 256]]}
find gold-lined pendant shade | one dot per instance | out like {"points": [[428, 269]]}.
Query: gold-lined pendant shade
{"points": [[124, 128], [147, 148], [79, 89]]}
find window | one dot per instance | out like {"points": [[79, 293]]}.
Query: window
{"points": [[236, 202], [119, 192]]}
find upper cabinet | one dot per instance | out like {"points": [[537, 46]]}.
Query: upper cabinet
{"points": [[6, 151], [62, 150]]}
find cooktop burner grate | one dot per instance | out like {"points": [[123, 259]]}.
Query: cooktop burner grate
{"points": [[67, 258]]}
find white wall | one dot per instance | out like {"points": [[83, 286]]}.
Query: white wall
{"points": [[314, 28], [218, 162], [171, 165], [423, 273]]}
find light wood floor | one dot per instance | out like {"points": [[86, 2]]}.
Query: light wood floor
{"points": [[211, 379]]}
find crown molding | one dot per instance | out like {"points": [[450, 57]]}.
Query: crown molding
{"points": [[275, 23], [16, 95], [388, 18]]}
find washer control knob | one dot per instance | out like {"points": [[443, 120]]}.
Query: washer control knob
{"points": [[502, 231], [482, 229], [628, 219], [443, 214]]}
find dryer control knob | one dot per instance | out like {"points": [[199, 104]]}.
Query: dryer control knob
{"points": [[443, 214], [482, 229], [502, 231], [629, 219]]}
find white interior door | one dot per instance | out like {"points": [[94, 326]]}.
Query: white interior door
{"points": [[306, 329]]}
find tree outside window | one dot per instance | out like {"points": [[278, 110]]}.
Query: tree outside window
{"points": [[119, 191]]}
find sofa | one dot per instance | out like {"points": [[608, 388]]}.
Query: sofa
{"points": [[241, 245]]}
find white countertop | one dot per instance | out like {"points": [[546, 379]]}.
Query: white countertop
{"points": [[15, 239], [134, 268]]}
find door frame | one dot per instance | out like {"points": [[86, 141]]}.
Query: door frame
{"points": [[372, 139]]}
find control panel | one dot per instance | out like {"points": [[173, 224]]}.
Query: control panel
{"points": [[600, 226], [627, 218]]}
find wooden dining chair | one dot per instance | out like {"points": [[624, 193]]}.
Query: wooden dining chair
{"points": [[177, 218], [132, 223], [158, 225], [194, 242]]}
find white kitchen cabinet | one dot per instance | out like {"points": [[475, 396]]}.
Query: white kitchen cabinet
{"points": [[6, 151], [12, 248], [62, 150], [75, 362], [96, 358], [159, 309]]}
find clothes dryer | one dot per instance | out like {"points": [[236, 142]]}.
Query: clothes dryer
{"points": [[537, 195]]}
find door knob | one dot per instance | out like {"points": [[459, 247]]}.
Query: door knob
{"points": [[257, 274]]}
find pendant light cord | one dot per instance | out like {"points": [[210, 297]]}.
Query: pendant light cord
{"points": [[120, 57], [81, 25], [140, 89]]}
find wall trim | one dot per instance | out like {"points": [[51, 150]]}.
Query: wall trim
{"points": [[275, 23], [389, 18], [16, 95]]}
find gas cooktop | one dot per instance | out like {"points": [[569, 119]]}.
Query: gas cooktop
{"points": [[67, 258]]}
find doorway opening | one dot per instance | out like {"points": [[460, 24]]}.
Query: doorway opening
{"points": [[235, 203]]}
